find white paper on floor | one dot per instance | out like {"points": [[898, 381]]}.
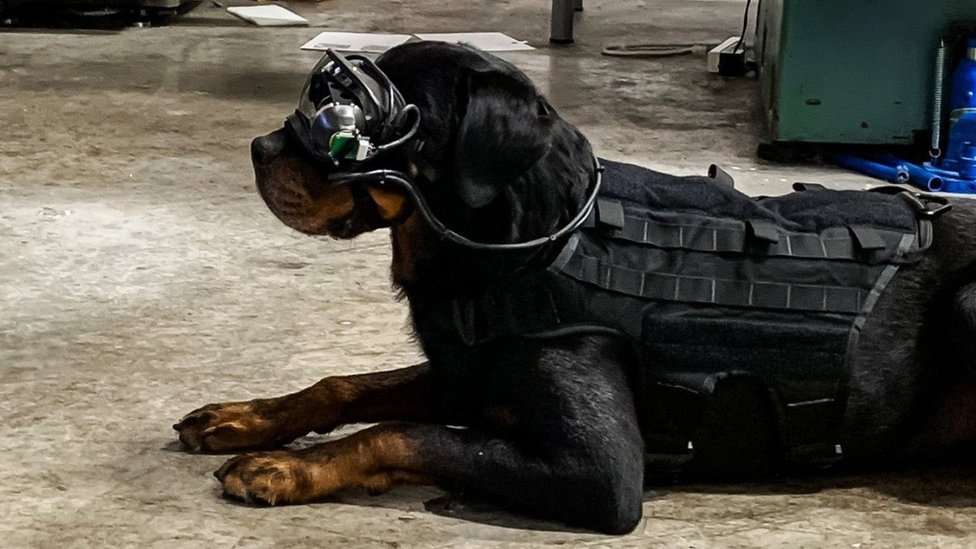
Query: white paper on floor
{"points": [[267, 16], [355, 41], [486, 41]]}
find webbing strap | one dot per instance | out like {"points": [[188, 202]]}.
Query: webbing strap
{"points": [[610, 214], [868, 239], [755, 237], [763, 231], [716, 291]]}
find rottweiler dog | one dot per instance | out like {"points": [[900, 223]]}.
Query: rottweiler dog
{"points": [[551, 427]]}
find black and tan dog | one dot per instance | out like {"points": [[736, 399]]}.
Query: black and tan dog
{"points": [[550, 427]]}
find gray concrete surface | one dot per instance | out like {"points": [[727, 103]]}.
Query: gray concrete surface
{"points": [[141, 276]]}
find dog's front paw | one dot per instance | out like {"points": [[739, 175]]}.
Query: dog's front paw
{"points": [[272, 478], [233, 426], [310, 474]]}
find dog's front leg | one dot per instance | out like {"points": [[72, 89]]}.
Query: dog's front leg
{"points": [[592, 487], [557, 438], [404, 394]]}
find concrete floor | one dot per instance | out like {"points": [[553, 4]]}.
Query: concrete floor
{"points": [[141, 276]]}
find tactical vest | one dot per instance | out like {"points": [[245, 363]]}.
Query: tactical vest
{"points": [[710, 284]]}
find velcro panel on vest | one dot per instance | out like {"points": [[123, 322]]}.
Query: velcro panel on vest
{"points": [[800, 360]]}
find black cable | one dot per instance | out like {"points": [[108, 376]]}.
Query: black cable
{"points": [[655, 50], [745, 25], [403, 182], [667, 50]]}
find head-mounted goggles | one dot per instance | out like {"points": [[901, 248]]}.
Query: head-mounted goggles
{"points": [[349, 111]]}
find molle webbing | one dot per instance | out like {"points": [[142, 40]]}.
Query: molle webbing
{"points": [[694, 258], [709, 284], [674, 230], [609, 273]]}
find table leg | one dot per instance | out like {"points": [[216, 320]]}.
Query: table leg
{"points": [[561, 28]]}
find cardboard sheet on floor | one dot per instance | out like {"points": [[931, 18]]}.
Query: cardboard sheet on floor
{"points": [[486, 41], [355, 41], [268, 16]]}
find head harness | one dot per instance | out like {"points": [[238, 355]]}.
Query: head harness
{"points": [[350, 112]]}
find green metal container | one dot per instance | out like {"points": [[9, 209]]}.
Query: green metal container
{"points": [[851, 71]]}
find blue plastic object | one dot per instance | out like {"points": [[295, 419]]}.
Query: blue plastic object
{"points": [[967, 161], [930, 178], [895, 170], [959, 162], [891, 174], [951, 182], [917, 175], [964, 81]]}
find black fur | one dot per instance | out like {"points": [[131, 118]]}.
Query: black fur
{"points": [[552, 428]]}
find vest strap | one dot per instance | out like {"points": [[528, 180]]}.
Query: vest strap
{"points": [[867, 238], [609, 214], [763, 231], [716, 291], [759, 238]]}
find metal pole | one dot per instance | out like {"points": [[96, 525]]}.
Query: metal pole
{"points": [[561, 27]]}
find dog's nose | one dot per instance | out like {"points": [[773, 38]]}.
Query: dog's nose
{"points": [[266, 148]]}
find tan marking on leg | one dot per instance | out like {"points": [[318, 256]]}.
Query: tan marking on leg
{"points": [[404, 394], [234, 425], [374, 460]]}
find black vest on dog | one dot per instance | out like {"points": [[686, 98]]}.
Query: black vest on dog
{"points": [[711, 285]]}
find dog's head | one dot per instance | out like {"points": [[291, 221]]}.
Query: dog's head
{"points": [[488, 149]]}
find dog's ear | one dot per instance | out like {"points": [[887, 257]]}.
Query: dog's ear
{"points": [[503, 131]]}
